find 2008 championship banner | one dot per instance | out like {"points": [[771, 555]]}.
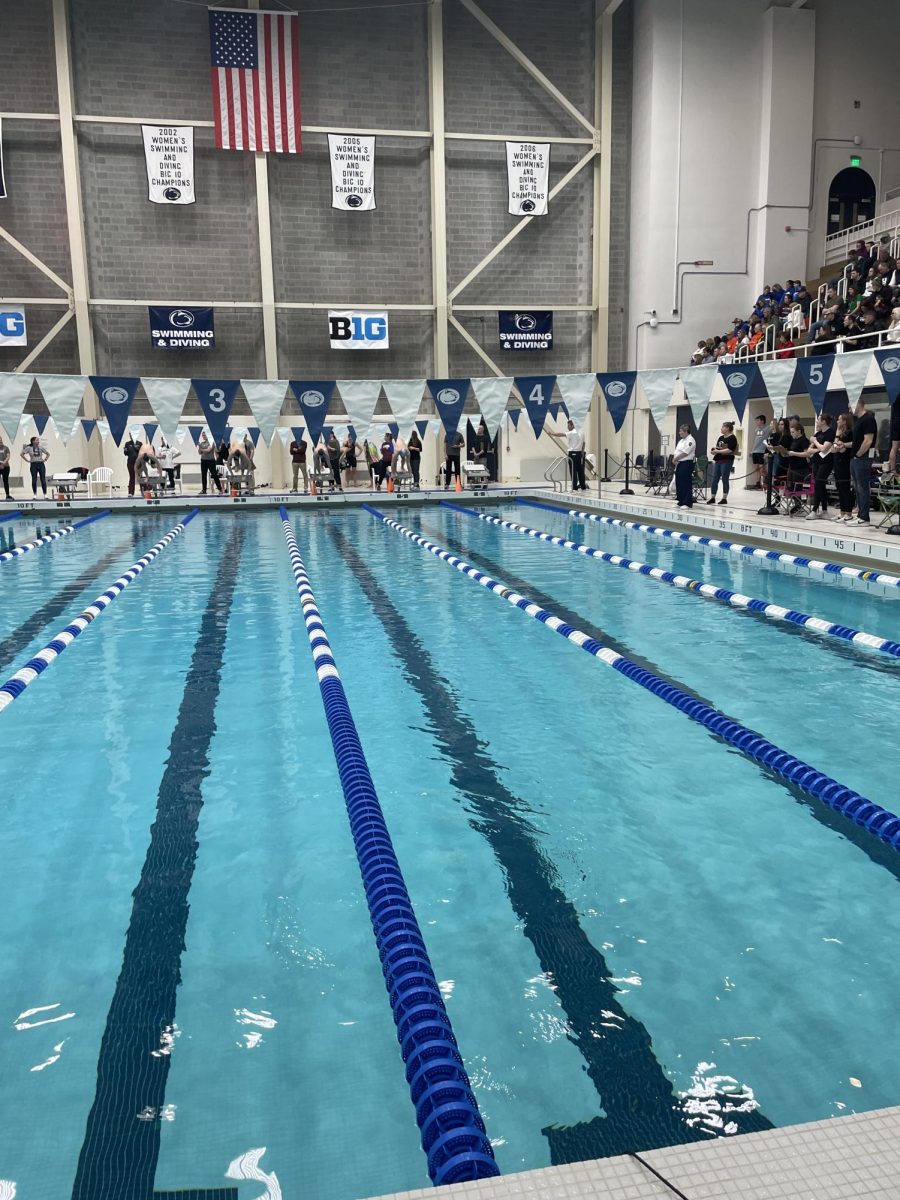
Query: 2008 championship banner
{"points": [[169, 155]]}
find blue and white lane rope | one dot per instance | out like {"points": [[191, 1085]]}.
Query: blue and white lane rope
{"points": [[18, 551], [697, 587], [35, 667], [451, 1127], [879, 821], [676, 535]]}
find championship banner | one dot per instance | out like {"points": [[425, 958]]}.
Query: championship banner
{"points": [[352, 172], [169, 157], [181, 328], [2, 176], [116, 395], [528, 176]]}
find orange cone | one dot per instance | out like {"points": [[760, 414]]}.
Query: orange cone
{"points": [[458, 484], [390, 486], [312, 487]]}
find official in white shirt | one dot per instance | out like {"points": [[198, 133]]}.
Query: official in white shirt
{"points": [[684, 456], [575, 447]]}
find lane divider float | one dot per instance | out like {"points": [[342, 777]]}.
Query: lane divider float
{"points": [[11, 516], [676, 535], [697, 587], [18, 551], [879, 821], [452, 1130], [16, 684]]}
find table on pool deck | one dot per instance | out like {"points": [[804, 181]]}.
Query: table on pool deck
{"points": [[65, 484]]}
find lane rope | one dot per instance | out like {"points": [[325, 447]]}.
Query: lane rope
{"points": [[18, 551], [452, 1130], [697, 587], [676, 535], [879, 821], [16, 684], [9, 516]]}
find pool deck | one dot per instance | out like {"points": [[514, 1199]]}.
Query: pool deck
{"points": [[843, 1158]]}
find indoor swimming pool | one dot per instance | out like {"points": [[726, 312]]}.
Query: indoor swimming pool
{"points": [[641, 934]]}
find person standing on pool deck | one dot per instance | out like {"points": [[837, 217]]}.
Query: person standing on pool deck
{"points": [[132, 449], [758, 453], [298, 463], [843, 445], [333, 446], [453, 443], [36, 456], [865, 431], [4, 466], [723, 454], [208, 465], [415, 455], [684, 457], [575, 450]]}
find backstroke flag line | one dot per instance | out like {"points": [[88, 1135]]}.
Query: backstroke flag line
{"points": [[255, 80], [352, 172]]}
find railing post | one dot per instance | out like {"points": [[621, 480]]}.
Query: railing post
{"points": [[626, 490], [605, 478]]}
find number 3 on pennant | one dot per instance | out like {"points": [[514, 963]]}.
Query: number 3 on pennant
{"points": [[216, 400], [537, 395]]}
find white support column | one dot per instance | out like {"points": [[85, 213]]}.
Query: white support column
{"points": [[602, 199], [266, 269], [438, 189], [72, 185]]}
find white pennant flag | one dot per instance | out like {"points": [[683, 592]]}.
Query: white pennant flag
{"points": [[360, 397], [14, 389], [169, 157], [352, 172], [437, 428], [854, 369], [405, 399], [266, 400], [103, 429], [167, 397], [492, 396], [528, 176], [659, 387], [63, 395], [180, 434], [284, 433], [698, 385], [778, 377], [577, 392]]}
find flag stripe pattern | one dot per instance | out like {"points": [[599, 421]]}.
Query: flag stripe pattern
{"points": [[255, 80]]}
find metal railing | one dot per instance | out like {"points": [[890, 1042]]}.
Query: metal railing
{"points": [[558, 473], [838, 245], [841, 345]]}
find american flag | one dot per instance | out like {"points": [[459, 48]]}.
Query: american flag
{"points": [[255, 80]]}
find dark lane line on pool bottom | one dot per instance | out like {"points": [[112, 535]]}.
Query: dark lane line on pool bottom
{"points": [[879, 853], [121, 1144], [642, 1110], [22, 636]]}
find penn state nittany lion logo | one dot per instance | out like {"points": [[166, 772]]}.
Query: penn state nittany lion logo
{"points": [[447, 396], [891, 364], [528, 206], [180, 318], [172, 193], [616, 388], [312, 399], [736, 379], [354, 201], [525, 322], [114, 395]]}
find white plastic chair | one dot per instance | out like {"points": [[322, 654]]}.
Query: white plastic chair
{"points": [[99, 478]]}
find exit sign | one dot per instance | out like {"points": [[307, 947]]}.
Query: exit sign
{"points": [[855, 160]]}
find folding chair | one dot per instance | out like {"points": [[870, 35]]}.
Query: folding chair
{"points": [[698, 480], [888, 496], [797, 495]]}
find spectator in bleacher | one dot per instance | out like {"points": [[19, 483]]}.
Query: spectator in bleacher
{"points": [[758, 450], [893, 330], [784, 347], [821, 445], [684, 458], [804, 299], [870, 325], [842, 454], [723, 456]]}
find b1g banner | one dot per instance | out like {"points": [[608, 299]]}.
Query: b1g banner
{"points": [[169, 155], [182, 328], [526, 330], [528, 173], [352, 172], [350, 330]]}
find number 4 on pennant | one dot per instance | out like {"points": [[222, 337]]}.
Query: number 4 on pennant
{"points": [[537, 395]]}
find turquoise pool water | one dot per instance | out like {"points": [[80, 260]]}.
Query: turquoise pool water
{"points": [[628, 919]]}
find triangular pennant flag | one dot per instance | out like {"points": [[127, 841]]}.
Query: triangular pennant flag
{"points": [[14, 389], [436, 426], [40, 421], [492, 396], [617, 388], [150, 430], [450, 399], [167, 397], [739, 379], [514, 414], [63, 395], [778, 377], [284, 434], [88, 425], [536, 392], [554, 411], [659, 387], [360, 397], [116, 395], [216, 398], [889, 362], [103, 429], [181, 434], [313, 397], [394, 428], [297, 432], [815, 373], [854, 369], [698, 385], [577, 392], [266, 400], [196, 432], [421, 426], [404, 397], [254, 432]]}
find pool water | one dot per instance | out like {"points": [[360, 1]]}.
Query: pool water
{"points": [[641, 936]]}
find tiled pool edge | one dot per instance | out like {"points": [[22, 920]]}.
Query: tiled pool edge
{"points": [[841, 1158]]}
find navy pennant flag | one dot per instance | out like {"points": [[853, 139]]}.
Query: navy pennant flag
{"points": [[514, 414], [450, 399], [738, 378], [216, 398], [889, 363], [116, 395], [536, 392], [195, 432], [314, 397], [815, 373], [88, 425], [297, 433], [617, 388]]}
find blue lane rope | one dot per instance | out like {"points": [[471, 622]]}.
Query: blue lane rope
{"points": [[51, 537], [9, 516], [797, 560], [451, 1127], [34, 668], [697, 587], [877, 820]]}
